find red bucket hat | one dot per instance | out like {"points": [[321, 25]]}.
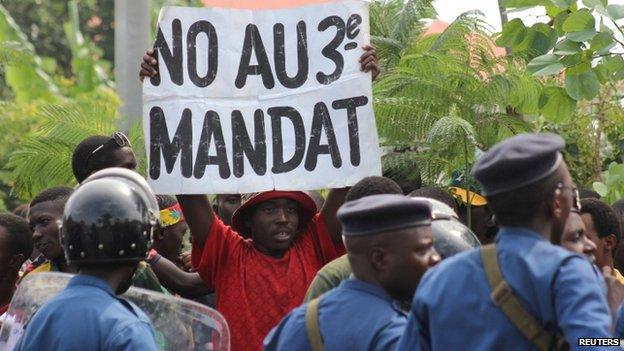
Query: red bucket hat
{"points": [[306, 204]]}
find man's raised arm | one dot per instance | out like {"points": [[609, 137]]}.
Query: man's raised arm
{"points": [[334, 200], [198, 214]]}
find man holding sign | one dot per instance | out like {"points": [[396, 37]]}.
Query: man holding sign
{"points": [[249, 101]]}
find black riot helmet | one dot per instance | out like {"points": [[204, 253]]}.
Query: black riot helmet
{"points": [[450, 235], [108, 220]]}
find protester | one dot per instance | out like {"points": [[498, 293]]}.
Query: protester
{"points": [[575, 239], [390, 246], [164, 258], [46, 210], [15, 247], [530, 191], [259, 280], [103, 235], [99, 152], [333, 273], [603, 228], [168, 239], [225, 205]]}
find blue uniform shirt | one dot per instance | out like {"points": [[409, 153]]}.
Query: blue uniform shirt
{"points": [[85, 316], [452, 308], [354, 316]]}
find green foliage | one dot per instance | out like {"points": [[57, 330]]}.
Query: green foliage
{"points": [[42, 25], [585, 52], [450, 94], [43, 159], [611, 188], [46, 115], [26, 77], [394, 25]]}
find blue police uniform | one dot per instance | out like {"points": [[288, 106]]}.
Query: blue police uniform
{"points": [[452, 308], [354, 316], [619, 323], [87, 315]]}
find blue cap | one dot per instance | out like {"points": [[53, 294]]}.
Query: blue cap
{"points": [[518, 161], [383, 213]]}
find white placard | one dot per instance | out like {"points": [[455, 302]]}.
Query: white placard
{"points": [[253, 100]]}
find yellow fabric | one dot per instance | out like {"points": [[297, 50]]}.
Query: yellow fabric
{"points": [[463, 195], [45, 267], [170, 216], [618, 276]]}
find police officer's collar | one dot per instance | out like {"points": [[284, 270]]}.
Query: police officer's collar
{"points": [[85, 279], [518, 231], [356, 284]]}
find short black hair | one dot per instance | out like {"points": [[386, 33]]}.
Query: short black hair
{"points": [[588, 194], [20, 235], [436, 193], [604, 217], [519, 206], [165, 201], [82, 154], [373, 186], [86, 161], [52, 194]]}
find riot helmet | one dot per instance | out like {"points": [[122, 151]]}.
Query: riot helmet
{"points": [[131, 178], [450, 235], [108, 220]]}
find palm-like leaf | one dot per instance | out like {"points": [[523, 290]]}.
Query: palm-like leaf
{"points": [[451, 93], [44, 159]]}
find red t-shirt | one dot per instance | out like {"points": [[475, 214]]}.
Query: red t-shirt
{"points": [[254, 291]]}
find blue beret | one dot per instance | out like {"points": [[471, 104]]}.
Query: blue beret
{"points": [[518, 161], [382, 213]]}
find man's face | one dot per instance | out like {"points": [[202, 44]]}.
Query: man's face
{"points": [[575, 238], [43, 219], [565, 198], [410, 255], [602, 252], [273, 225], [170, 245], [226, 205]]}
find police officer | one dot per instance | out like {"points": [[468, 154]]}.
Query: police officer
{"points": [[106, 230], [529, 189], [389, 245], [450, 237]]}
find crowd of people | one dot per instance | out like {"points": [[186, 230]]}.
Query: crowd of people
{"points": [[524, 261]]}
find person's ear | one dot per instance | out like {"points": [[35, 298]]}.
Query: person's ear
{"points": [[379, 258], [16, 261], [555, 205], [610, 242]]}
